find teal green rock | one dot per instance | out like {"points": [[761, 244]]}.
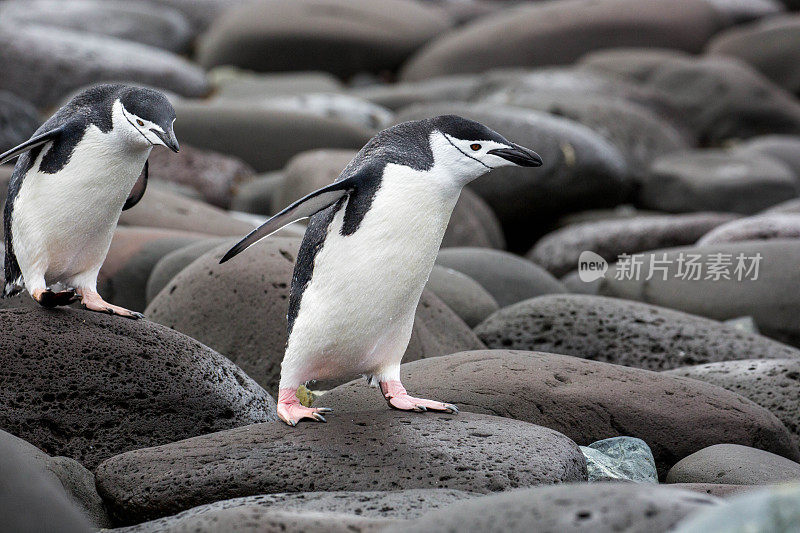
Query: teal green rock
{"points": [[620, 458]]}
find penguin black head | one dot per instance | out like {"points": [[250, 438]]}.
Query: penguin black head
{"points": [[150, 114], [474, 148]]}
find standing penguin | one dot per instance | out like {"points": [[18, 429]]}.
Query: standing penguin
{"points": [[369, 248], [71, 182]]}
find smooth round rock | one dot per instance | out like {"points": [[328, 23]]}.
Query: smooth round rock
{"points": [[622, 332], [232, 83], [89, 385], [571, 508], [638, 64], [783, 147], [586, 400], [133, 253], [559, 251], [716, 489], [256, 196], [243, 310], [30, 55], [66, 474], [767, 510], [757, 228], [358, 451], [773, 384], [400, 504], [395, 96], [465, 296], [230, 128], [139, 22], [791, 207], [639, 133], [343, 37], [723, 99], [735, 465], [771, 45], [200, 13], [161, 208], [31, 500], [747, 10], [172, 263], [18, 120], [343, 107], [716, 180], [507, 277], [769, 298], [523, 36], [581, 169], [214, 175]]}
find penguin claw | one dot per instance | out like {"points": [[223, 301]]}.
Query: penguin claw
{"points": [[319, 417], [324, 410], [398, 398]]}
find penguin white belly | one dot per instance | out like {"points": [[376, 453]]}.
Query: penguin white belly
{"points": [[357, 311], [62, 223]]}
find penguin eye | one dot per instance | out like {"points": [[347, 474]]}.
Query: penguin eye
{"points": [[475, 147], [139, 122]]}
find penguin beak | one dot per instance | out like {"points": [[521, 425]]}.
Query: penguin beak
{"points": [[169, 139], [518, 155]]}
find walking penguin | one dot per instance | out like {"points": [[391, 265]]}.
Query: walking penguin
{"points": [[369, 248], [71, 182]]}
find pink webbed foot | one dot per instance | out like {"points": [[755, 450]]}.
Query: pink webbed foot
{"points": [[397, 398], [92, 301], [291, 411]]}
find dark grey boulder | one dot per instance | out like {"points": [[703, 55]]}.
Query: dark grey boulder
{"points": [[243, 310], [791, 207], [783, 147], [735, 465], [507, 277], [256, 196], [399, 504], [473, 223], [581, 170], [343, 37], [344, 107], [717, 180], [31, 500], [757, 228], [465, 296], [231, 83], [572, 508], [716, 489], [747, 10], [215, 176], [172, 263], [723, 99], [30, 55], [586, 400], [638, 132], [622, 332], [773, 384], [523, 36], [18, 120], [133, 254], [66, 474], [88, 385], [230, 127], [558, 252], [769, 298], [139, 22], [164, 209], [357, 451], [396, 96], [200, 13], [637, 64], [771, 46]]}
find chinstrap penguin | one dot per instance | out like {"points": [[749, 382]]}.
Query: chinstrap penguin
{"points": [[369, 248], [72, 180]]}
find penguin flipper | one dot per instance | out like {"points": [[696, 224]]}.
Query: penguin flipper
{"points": [[31, 143], [302, 208], [138, 188]]}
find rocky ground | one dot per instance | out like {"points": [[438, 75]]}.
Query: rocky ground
{"points": [[655, 391]]}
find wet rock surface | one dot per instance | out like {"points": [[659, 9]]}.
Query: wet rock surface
{"points": [[88, 386], [586, 400], [484, 453], [622, 332]]}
